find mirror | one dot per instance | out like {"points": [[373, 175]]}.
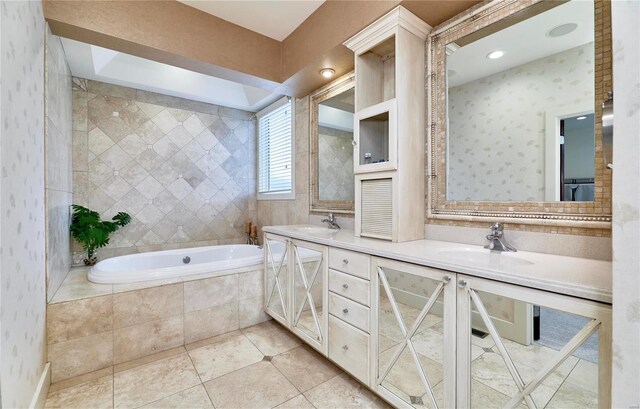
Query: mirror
{"points": [[332, 178], [511, 93], [518, 90]]}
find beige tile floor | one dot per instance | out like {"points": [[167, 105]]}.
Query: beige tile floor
{"points": [[263, 366]]}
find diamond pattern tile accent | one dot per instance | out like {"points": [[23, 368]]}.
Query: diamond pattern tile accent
{"points": [[99, 141], [149, 159], [207, 139], [193, 201], [193, 150], [150, 215], [165, 121], [165, 174], [149, 187], [165, 229], [193, 125], [165, 148], [115, 157], [180, 188], [116, 187], [165, 201], [133, 145], [180, 136], [207, 189], [184, 175], [133, 173]]}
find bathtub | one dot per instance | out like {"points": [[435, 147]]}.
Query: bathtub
{"points": [[159, 265]]}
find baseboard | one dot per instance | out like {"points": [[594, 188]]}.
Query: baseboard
{"points": [[40, 395]]}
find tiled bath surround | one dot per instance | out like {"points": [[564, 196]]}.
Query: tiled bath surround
{"points": [[184, 170], [93, 327], [59, 187], [336, 166]]}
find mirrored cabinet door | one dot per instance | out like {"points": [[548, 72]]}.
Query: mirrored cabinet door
{"points": [[309, 268], [415, 356], [277, 277], [558, 357]]}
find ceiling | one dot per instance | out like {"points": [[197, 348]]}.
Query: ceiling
{"points": [[521, 43], [272, 18], [113, 67]]}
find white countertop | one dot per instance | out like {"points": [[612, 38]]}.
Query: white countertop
{"points": [[578, 277]]}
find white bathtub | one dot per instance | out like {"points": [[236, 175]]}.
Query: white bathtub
{"points": [[159, 265]]}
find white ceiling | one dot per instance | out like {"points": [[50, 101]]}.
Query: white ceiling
{"points": [[101, 64], [523, 42], [272, 18]]}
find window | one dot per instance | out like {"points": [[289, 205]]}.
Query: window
{"points": [[275, 151]]}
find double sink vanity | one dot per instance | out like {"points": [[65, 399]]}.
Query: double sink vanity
{"points": [[437, 324], [495, 115]]}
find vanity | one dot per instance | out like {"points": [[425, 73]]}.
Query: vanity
{"points": [[438, 324], [459, 125]]}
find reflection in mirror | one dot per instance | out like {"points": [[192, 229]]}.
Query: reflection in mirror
{"points": [[515, 92], [573, 383], [335, 149], [307, 293]]}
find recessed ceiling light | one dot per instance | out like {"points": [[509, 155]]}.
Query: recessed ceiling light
{"points": [[562, 30], [495, 55], [327, 72], [580, 118]]}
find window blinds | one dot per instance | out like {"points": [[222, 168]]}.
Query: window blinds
{"points": [[275, 148]]}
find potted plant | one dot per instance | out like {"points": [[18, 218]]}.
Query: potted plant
{"points": [[93, 233]]}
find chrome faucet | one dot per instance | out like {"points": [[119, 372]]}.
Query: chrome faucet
{"points": [[496, 239], [331, 221]]}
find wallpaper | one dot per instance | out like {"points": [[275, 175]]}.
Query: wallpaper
{"points": [[626, 205], [58, 188], [22, 280], [184, 170], [497, 125], [335, 160]]}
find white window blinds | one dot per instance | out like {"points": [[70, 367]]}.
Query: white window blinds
{"points": [[275, 149]]}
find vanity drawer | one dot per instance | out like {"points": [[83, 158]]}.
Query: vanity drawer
{"points": [[350, 262], [349, 311], [349, 348], [353, 288]]}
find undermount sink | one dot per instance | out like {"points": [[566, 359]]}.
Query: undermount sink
{"points": [[314, 230], [483, 256]]}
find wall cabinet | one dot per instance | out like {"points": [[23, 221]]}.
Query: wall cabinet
{"points": [[389, 126], [422, 337]]}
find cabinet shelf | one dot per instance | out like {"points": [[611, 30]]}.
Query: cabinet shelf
{"points": [[375, 138]]}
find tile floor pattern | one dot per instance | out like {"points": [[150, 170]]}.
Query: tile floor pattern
{"points": [[263, 366]]}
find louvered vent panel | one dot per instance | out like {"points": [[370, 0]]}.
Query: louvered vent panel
{"points": [[376, 209]]}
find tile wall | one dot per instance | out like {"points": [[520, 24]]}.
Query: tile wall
{"points": [[277, 212], [93, 327], [58, 187], [184, 170], [335, 153]]}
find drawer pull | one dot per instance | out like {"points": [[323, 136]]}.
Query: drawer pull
{"points": [[345, 286], [345, 311], [345, 347], [345, 261]]}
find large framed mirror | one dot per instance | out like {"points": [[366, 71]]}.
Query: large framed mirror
{"points": [[516, 92], [331, 147]]}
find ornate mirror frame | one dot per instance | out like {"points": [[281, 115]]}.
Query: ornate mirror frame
{"points": [[592, 215], [330, 90]]}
